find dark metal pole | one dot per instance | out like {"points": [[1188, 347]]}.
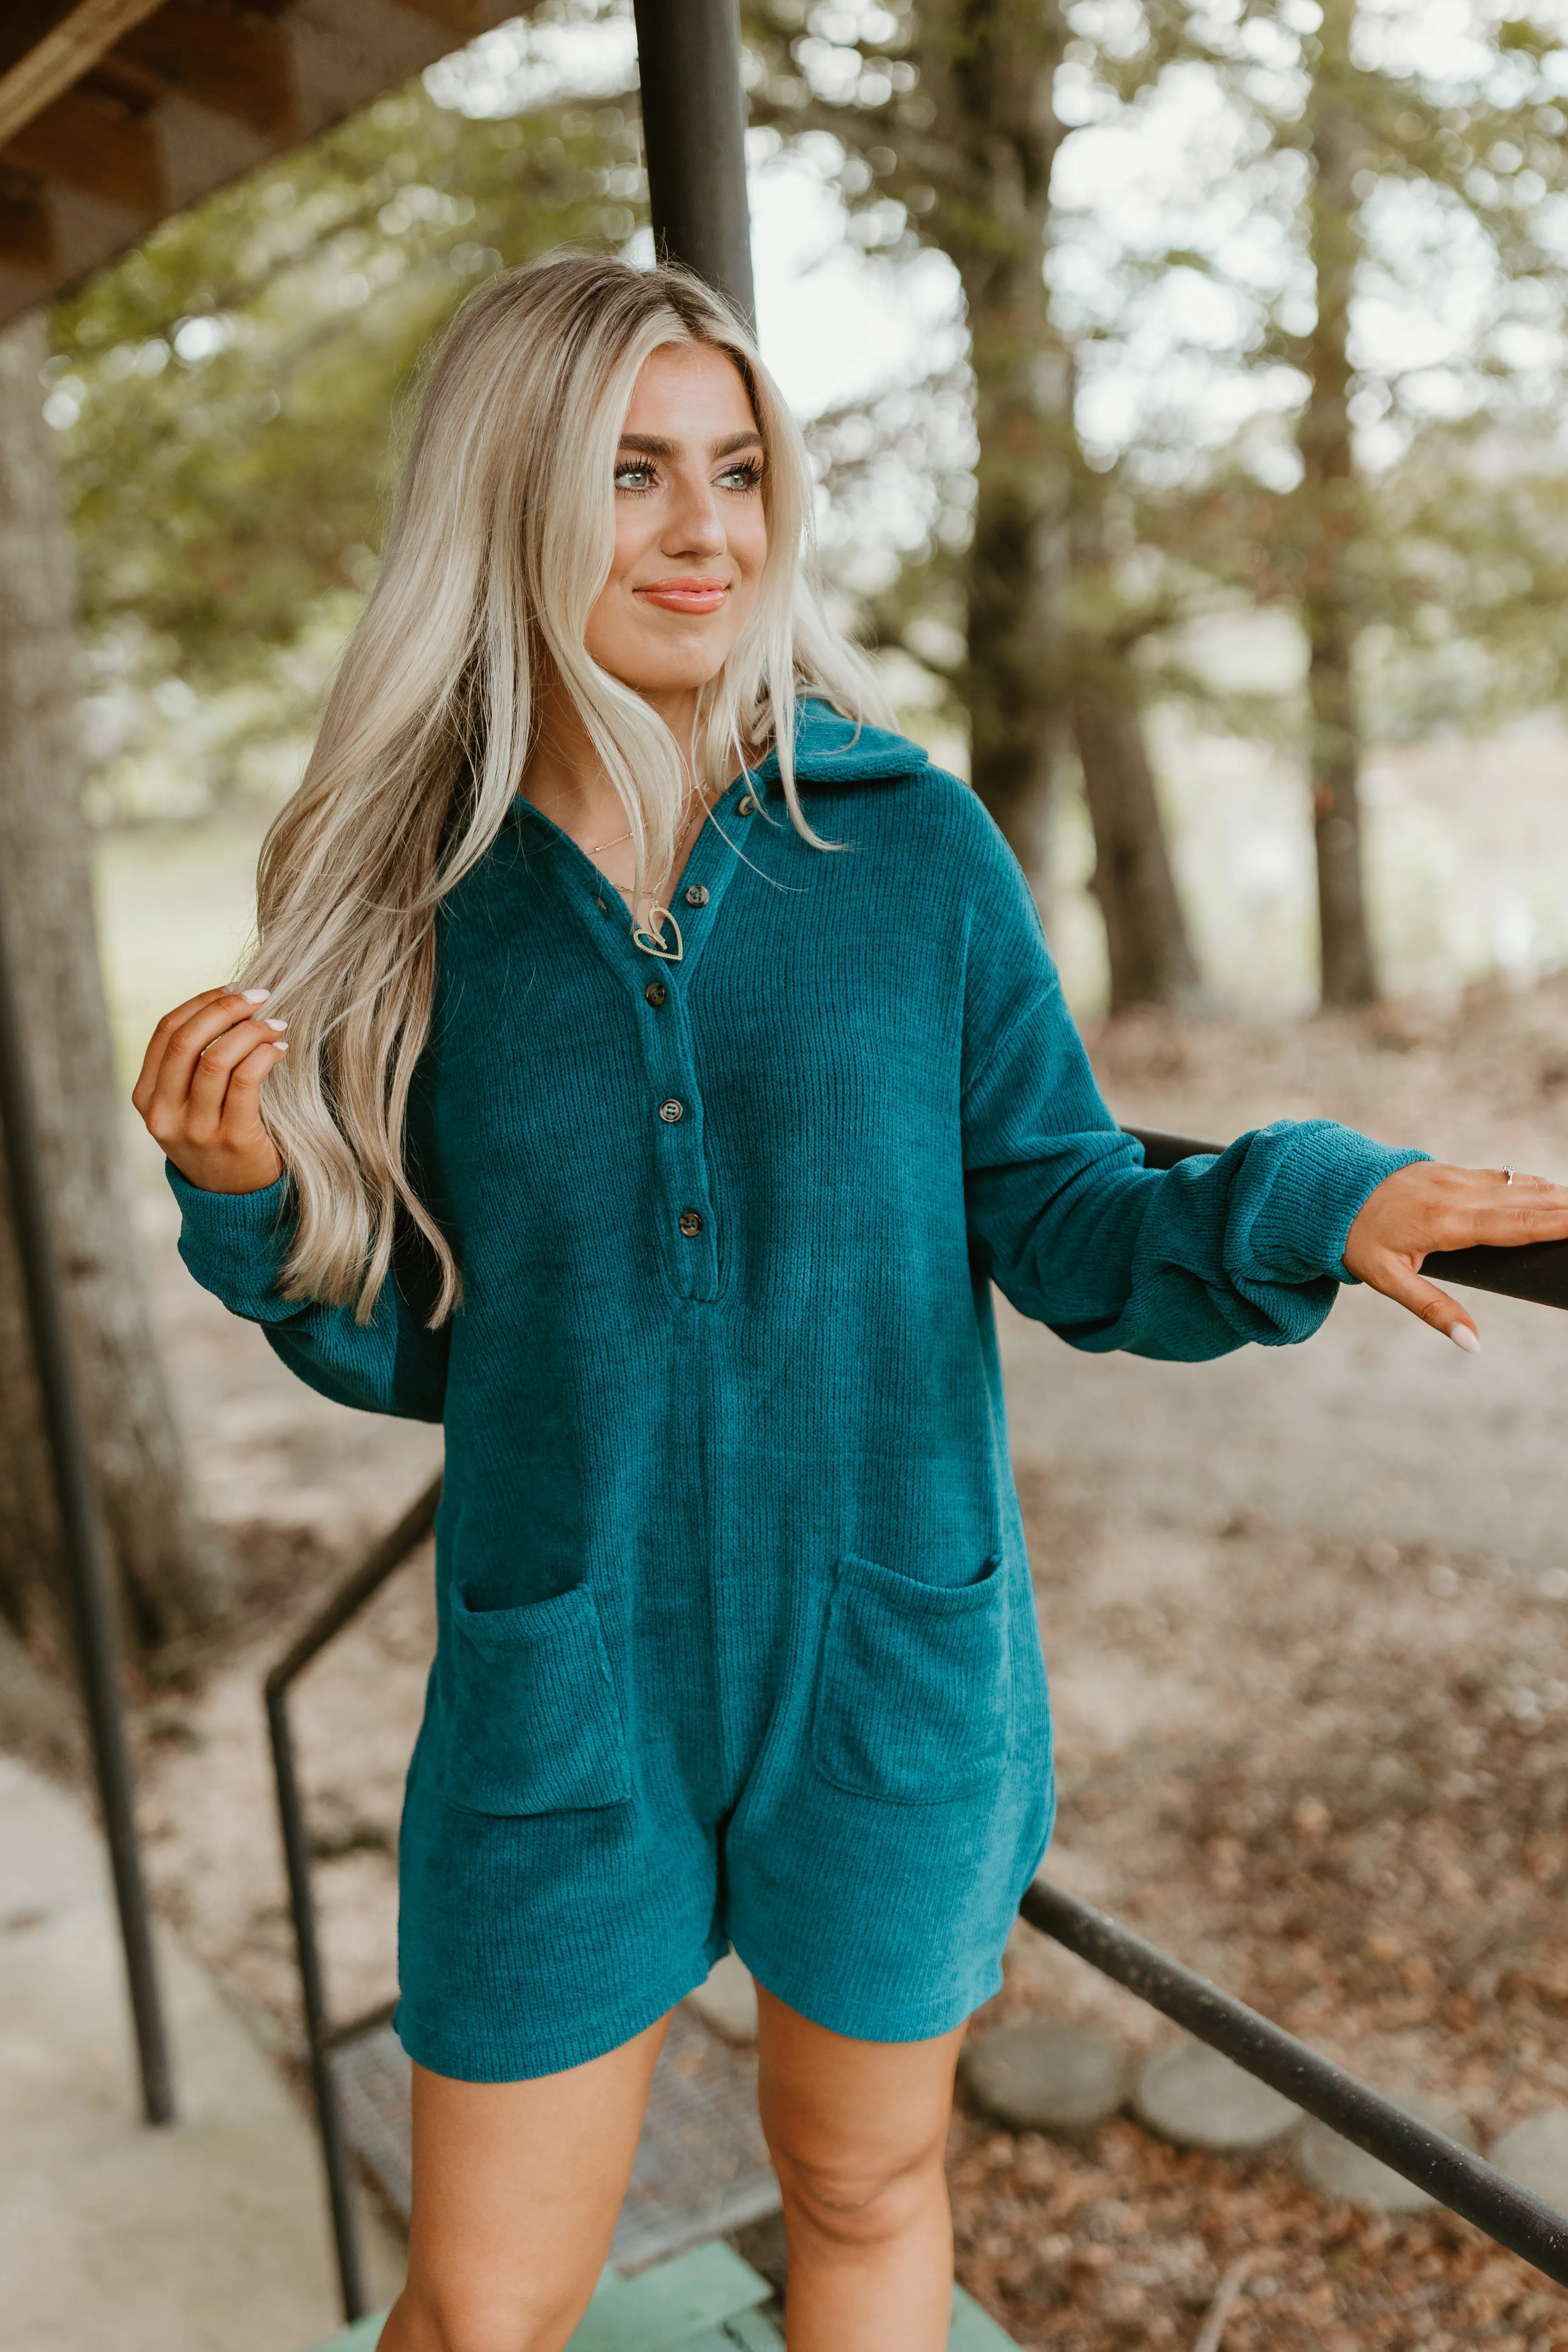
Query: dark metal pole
{"points": [[88, 1559], [694, 137], [321, 2035], [1538, 1271], [329, 2115], [1513, 2216]]}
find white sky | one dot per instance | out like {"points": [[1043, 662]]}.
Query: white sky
{"points": [[833, 323]]}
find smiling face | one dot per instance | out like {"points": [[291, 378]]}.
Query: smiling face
{"points": [[690, 532]]}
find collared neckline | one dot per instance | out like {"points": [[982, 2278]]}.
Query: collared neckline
{"points": [[602, 907], [829, 750], [832, 750]]}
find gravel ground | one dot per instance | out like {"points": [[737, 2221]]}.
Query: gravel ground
{"points": [[1306, 1621]]}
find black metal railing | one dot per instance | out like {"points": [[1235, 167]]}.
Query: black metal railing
{"points": [[1511, 2215], [321, 2036], [1537, 1272], [1451, 2174]]}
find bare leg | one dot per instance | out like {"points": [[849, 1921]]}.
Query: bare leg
{"points": [[858, 2130], [516, 2190]]}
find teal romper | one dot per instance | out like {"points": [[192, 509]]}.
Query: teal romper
{"points": [[737, 1640]]}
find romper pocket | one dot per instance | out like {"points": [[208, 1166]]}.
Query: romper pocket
{"points": [[534, 1725], [913, 1688]]}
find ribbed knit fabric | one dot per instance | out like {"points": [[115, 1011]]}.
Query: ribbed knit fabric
{"points": [[737, 1637]]}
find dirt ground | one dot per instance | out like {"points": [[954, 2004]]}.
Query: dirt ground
{"points": [[1307, 1619]]}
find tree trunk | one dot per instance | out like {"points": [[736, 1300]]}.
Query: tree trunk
{"points": [[1330, 504], [1148, 949], [1012, 677], [989, 65], [46, 896], [989, 69], [1146, 938]]}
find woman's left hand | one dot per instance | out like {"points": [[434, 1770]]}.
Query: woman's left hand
{"points": [[1429, 1206]]}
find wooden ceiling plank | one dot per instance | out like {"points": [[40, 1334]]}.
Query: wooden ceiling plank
{"points": [[238, 65], [203, 149], [465, 17], [58, 224], [23, 24], [27, 234], [62, 55], [89, 229], [116, 82], [348, 51], [79, 144]]}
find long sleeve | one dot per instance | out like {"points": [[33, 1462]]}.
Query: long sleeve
{"points": [[1248, 1245], [234, 1243]]}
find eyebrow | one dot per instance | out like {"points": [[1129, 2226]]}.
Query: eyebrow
{"points": [[649, 444]]}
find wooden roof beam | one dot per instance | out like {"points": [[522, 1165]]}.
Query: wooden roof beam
{"points": [[47, 47], [81, 142], [150, 105], [238, 65]]}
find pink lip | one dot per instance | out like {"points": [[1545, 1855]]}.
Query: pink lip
{"points": [[685, 594]]}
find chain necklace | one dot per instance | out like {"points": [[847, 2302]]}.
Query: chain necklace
{"points": [[597, 847], [651, 936]]}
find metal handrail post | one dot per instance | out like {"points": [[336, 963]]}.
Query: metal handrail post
{"points": [[321, 2037], [312, 1990], [694, 140], [88, 1559], [1537, 1271]]}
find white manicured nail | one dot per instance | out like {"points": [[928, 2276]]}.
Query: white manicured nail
{"points": [[256, 995], [275, 1025], [277, 1045], [1463, 1337]]}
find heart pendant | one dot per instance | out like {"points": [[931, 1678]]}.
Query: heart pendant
{"points": [[652, 942]]}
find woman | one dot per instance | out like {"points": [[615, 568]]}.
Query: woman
{"points": [[673, 1062]]}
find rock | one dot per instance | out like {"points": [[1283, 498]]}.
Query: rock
{"points": [[1535, 2154], [1044, 2075], [728, 2001], [1341, 2169], [1196, 2098]]}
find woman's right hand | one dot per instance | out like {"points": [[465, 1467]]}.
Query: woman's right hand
{"points": [[200, 1090]]}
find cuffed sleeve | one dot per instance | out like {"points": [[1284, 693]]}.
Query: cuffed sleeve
{"points": [[1246, 1245], [236, 1243]]}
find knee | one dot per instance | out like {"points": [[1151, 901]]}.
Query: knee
{"points": [[454, 2321], [853, 2200]]}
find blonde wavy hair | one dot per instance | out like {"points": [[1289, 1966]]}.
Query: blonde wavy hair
{"points": [[500, 540]]}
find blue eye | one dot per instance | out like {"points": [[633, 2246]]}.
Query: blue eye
{"points": [[642, 466]]}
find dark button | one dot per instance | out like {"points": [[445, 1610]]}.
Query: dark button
{"points": [[690, 1224], [697, 895], [745, 807], [671, 1110], [656, 991]]}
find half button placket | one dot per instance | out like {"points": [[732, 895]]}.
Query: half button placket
{"points": [[680, 1187], [688, 1220], [691, 1220]]}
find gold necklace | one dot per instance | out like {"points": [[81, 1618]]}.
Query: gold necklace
{"points": [[596, 848], [651, 936]]}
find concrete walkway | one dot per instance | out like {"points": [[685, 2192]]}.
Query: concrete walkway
{"points": [[207, 2237]]}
